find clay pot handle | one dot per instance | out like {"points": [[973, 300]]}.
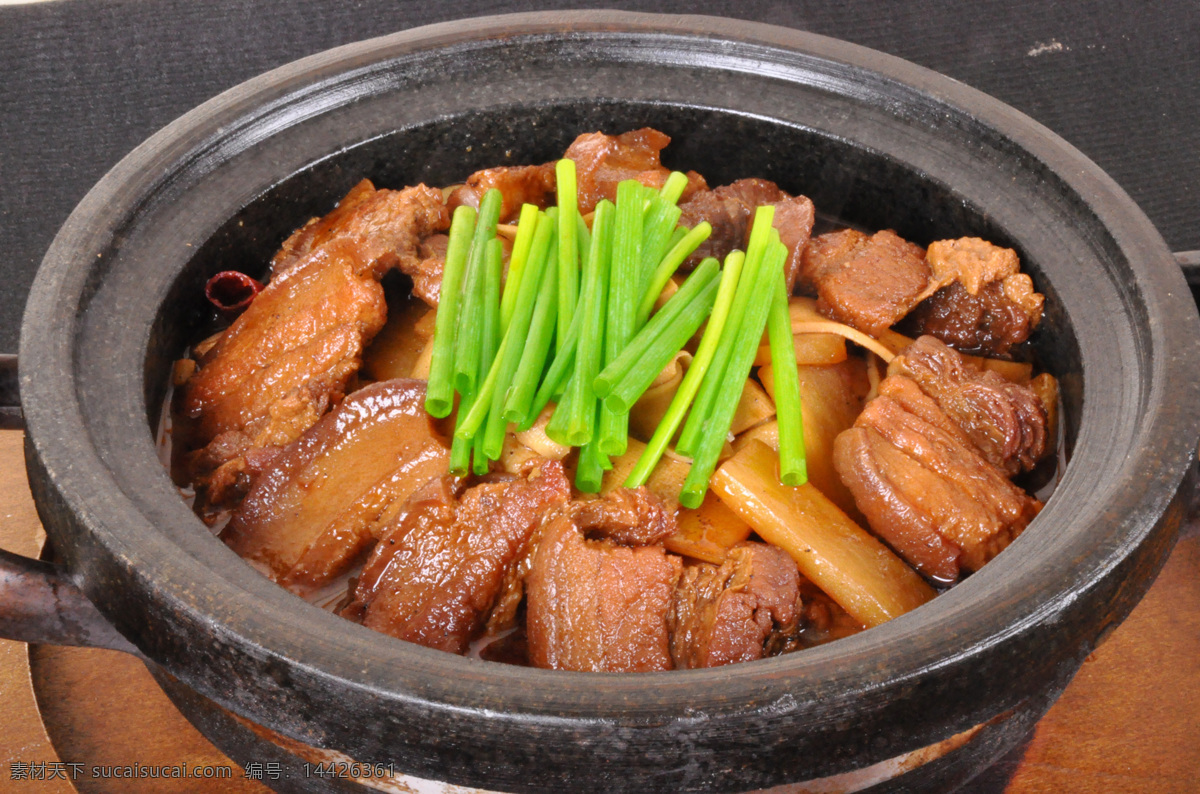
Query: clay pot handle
{"points": [[39, 604]]}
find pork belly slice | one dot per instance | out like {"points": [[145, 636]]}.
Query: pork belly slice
{"points": [[729, 209], [319, 505], [288, 358], [977, 300], [445, 561], [868, 282], [594, 604], [738, 611], [925, 488], [277, 369], [1006, 421]]}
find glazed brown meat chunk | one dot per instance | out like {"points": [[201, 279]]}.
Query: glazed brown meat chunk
{"points": [[523, 184], [288, 358], [387, 228], [1006, 421], [729, 209], [594, 605], [978, 300], [318, 507], [868, 282], [738, 611], [279, 367], [443, 563], [925, 488], [604, 161]]}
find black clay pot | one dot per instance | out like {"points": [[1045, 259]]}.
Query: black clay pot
{"points": [[871, 139]]}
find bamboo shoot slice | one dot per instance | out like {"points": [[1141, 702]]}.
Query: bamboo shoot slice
{"points": [[708, 532], [854, 568]]}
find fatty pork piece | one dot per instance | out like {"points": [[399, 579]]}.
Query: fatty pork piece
{"points": [[868, 282], [977, 300], [445, 561], [599, 593], [326, 496], [601, 163], [739, 611], [1006, 421], [729, 209], [286, 359], [924, 486]]}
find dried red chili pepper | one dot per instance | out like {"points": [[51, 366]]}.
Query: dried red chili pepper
{"points": [[231, 292]]}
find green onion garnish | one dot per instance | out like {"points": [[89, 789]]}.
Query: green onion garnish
{"points": [[673, 188], [670, 263], [637, 348], [664, 348], [469, 338], [715, 380], [568, 253], [695, 373], [526, 226], [660, 225], [793, 468], [581, 416], [518, 398], [439, 394], [589, 471], [623, 279], [741, 360]]}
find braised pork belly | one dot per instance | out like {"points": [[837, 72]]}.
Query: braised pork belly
{"points": [[336, 481], [919, 473], [738, 611], [598, 597], [868, 282], [729, 209], [289, 357], [325, 498], [445, 560]]}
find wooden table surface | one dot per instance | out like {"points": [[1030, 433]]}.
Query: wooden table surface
{"points": [[1129, 722]]}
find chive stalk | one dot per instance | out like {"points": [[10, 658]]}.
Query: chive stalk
{"points": [[647, 367], [518, 400], [695, 374], [589, 353], [568, 253], [487, 410], [439, 394], [469, 341], [559, 371], [623, 279], [658, 325], [522, 245], [460, 448], [589, 471], [673, 188], [715, 380], [489, 337], [670, 263], [793, 469], [750, 331], [658, 238]]}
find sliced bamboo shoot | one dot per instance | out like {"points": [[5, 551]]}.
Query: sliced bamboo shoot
{"points": [[857, 571]]}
